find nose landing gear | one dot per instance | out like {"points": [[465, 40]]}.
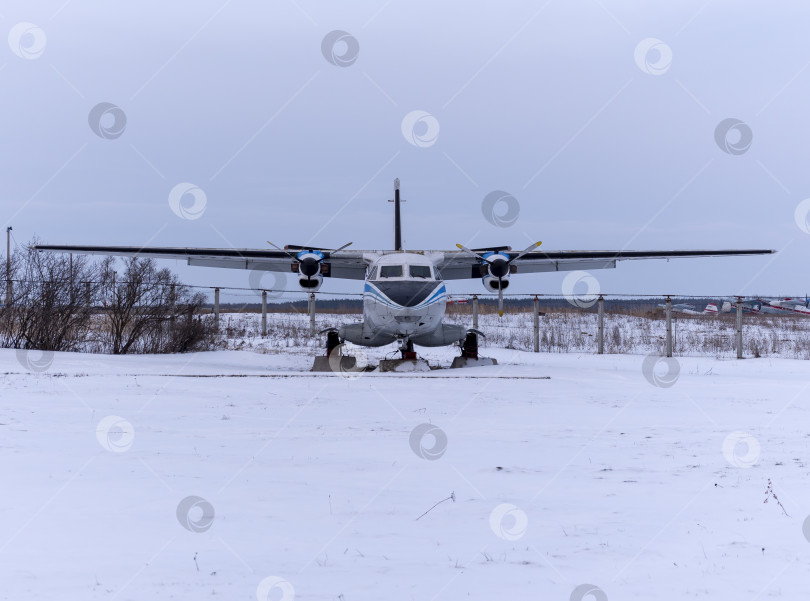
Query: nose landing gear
{"points": [[408, 362], [406, 349]]}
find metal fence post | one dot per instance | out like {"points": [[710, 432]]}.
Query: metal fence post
{"points": [[669, 326], [536, 325], [475, 311], [312, 313], [600, 340], [264, 313], [739, 328], [216, 309]]}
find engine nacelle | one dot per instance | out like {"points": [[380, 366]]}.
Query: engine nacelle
{"points": [[310, 284], [309, 262], [309, 270], [492, 284], [497, 267]]}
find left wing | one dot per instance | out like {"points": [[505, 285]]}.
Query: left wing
{"points": [[342, 264], [460, 265]]}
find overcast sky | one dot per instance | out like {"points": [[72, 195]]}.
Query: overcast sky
{"points": [[599, 118]]}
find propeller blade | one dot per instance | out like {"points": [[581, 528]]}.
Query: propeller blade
{"points": [[527, 250], [283, 250], [500, 299], [341, 248], [470, 252], [289, 254]]}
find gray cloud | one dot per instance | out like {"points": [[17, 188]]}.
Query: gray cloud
{"points": [[552, 108]]}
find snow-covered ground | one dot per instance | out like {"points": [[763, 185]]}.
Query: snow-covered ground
{"points": [[238, 475]]}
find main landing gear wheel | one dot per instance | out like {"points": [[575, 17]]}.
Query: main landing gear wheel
{"points": [[469, 352], [469, 348], [332, 341], [334, 360]]}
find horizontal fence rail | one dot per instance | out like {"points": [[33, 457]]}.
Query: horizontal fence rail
{"points": [[605, 309]]}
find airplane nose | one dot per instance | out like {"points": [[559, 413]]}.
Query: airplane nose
{"points": [[407, 293]]}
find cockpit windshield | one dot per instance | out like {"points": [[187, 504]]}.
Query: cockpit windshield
{"points": [[390, 271], [420, 271]]}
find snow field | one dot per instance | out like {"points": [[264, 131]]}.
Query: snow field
{"points": [[594, 476]]}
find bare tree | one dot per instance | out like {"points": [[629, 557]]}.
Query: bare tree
{"points": [[148, 310], [62, 302], [48, 309]]}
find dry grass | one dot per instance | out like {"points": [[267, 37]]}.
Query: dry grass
{"points": [[563, 331]]}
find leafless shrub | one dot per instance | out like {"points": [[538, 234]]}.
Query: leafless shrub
{"points": [[51, 301], [62, 302], [148, 310]]}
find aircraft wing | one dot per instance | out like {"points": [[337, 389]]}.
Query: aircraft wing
{"points": [[459, 265], [343, 264]]}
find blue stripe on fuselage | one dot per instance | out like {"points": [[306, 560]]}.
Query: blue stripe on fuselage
{"points": [[379, 297]]}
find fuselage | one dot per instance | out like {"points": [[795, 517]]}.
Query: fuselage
{"points": [[403, 296]]}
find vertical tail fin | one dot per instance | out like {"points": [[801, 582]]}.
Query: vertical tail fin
{"points": [[397, 222]]}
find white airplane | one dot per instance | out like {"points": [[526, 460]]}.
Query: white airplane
{"points": [[404, 296], [759, 306], [791, 306], [687, 309]]}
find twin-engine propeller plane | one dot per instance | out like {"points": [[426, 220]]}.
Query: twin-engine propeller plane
{"points": [[404, 295]]}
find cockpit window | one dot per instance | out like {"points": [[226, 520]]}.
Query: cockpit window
{"points": [[390, 271], [420, 271]]}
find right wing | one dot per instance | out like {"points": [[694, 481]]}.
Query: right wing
{"points": [[458, 265], [343, 264]]}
